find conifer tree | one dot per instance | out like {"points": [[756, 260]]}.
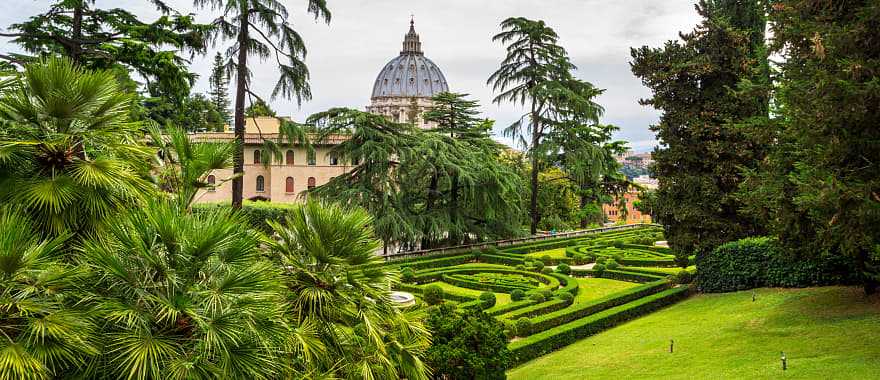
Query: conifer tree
{"points": [[219, 82]]}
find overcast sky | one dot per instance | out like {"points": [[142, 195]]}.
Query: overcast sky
{"points": [[345, 56]]}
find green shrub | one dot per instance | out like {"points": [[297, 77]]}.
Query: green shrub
{"points": [[601, 260], [537, 297], [565, 296], [547, 293], [433, 295], [546, 270], [520, 267], [523, 325], [760, 262], [683, 277], [537, 265], [517, 295], [407, 274], [599, 268], [487, 299], [563, 268], [546, 259], [612, 264], [489, 251]]}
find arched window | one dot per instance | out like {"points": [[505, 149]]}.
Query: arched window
{"points": [[311, 157], [257, 159], [334, 160], [261, 184], [311, 183], [288, 185], [288, 158]]}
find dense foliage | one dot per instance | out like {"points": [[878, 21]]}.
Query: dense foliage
{"points": [[819, 189], [759, 262], [468, 345], [704, 126]]}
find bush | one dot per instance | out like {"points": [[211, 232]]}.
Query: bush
{"points": [[489, 251], [523, 325], [469, 345], [517, 295], [537, 297], [546, 270], [520, 267], [433, 295], [617, 257], [547, 293], [565, 296], [760, 262], [563, 268], [538, 265], [546, 259], [599, 268], [407, 274], [487, 300], [612, 264], [683, 277], [601, 260]]}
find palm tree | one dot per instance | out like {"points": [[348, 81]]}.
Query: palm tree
{"points": [[69, 154], [534, 59], [262, 28], [185, 296], [42, 335], [340, 295]]}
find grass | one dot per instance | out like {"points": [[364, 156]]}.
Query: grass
{"points": [[557, 253], [594, 288], [829, 332]]}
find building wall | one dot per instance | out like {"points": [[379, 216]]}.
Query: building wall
{"points": [[275, 176], [399, 109], [633, 216]]}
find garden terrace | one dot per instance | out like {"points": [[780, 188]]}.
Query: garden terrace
{"points": [[545, 308]]}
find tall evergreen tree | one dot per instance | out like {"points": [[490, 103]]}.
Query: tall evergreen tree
{"points": [[262, 28], [704, 127], [534, 61], [219, 82], [98, 38], [819, 189]]}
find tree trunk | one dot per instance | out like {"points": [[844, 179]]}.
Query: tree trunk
{"points": [[75, 50], [583, 206], [453, 207], [536, 136], [241, 86]]}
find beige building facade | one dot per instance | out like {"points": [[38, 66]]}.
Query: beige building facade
{"points": [[402, 92]]}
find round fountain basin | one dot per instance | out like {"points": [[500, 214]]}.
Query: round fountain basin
{"points": [[403, 298]]}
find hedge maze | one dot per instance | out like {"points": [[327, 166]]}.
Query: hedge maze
{"points": [[536, 293]]}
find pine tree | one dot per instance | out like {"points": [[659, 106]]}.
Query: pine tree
{"points": [[704, 127], [819, 190], [219, 82]]}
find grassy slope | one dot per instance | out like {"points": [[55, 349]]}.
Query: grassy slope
{"points": [[830, 332], [558, 252]]}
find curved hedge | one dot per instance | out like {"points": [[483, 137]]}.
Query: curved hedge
{"points": [[542, 343], [549, 281]]}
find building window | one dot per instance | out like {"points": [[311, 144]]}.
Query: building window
{"points": [[288, 185], [311, 183], [311, 158], [288, 158], [261, 184], [334, 160], [257, 159], [211, 181]]}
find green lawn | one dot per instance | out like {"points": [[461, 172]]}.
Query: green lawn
{"points": [[830, 332], [594, 288], [558, 252]]}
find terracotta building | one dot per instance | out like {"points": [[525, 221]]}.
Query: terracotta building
{"points": [[613, 211], [402, 91]]}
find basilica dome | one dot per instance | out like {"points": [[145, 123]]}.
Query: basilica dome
{"points": [[410, 74]]}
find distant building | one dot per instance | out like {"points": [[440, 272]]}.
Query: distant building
{"points": [[639, 160], [402, 92], [613, 211]]}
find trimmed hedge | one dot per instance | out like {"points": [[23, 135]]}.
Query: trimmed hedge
{"points": [[545, 342], [548, 306], [760, 262], [622, 275], [556, 318], [504, 309], [446, 295]]}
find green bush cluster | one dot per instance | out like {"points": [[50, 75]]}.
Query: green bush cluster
{"points": [[760, 262], [487, 299], [433, 295], [563, 268], [517, 295], [407, 274]]}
